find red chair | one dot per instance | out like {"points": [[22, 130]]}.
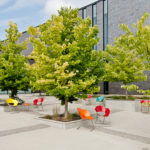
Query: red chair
{"points": [[89, 96], [145, 103], [102, 111], [87, 101], [85, 115], [38, 102]]}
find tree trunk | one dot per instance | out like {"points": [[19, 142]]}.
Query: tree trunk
{"points": [[66, 108], [13, 93], [40, 93], [126, 94]]}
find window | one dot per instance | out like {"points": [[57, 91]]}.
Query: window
{"points": [[105, 37], [105, 13], [94, 15], [94, 20], [84, 15]]}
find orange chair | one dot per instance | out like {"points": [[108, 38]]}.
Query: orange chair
{"points": [[85, 115]]}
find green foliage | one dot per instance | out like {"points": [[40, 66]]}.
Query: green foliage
{"points": [[66, 66], [123, 65], [13, 73], [60, 117], [127, 58], [144, 92], [138, 40], [130, 97], [131, 87]]}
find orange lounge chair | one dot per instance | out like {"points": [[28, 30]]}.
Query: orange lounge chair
{"points": [[85, 115]]}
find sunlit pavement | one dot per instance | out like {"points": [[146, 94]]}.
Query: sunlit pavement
{"points": [[123, 131]]}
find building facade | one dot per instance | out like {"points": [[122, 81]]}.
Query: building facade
{"points": [[107, 15]]}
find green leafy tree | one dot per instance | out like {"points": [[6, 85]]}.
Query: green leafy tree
{"points": [[13, 73], [66, 66], [137, 39], [123, 65]]}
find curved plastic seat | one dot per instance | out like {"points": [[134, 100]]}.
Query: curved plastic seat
{"points": [[99, 110], [11, 102], [89, 96], [38, 102], [100, 99], [85, 115], [145, 103]]}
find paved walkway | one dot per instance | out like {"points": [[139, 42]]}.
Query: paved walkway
{"points": [[125, 131], [23, 129], [126, 135]]}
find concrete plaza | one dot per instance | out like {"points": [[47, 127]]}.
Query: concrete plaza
{"points": [[126, 130]]}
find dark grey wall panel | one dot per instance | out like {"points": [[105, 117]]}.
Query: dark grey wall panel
{"points": [[124, 11], [25, 35], [80, 13], [127, 12], [115, 88]]}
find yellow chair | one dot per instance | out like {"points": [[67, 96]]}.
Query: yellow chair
{"points": [[11, 102]]}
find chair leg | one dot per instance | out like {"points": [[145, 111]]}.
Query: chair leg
{"points": [[109, 118], [98, 120], [42, 107], [103, 120], [92, 126], [96, 117], [147, 108], [78, 127], [79, 124], [9, 108]]}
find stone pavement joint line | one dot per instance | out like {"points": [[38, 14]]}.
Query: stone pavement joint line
{"points": [[126, 135], [23, 129]]}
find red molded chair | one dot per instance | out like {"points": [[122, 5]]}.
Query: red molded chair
{"points": [[38, 102], [145, 103], [89, 96], [87, 101], [99, 110], [85, 115]]}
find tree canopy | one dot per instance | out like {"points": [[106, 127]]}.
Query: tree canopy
{"points": [[128, 58], [13, 73], [66, 65]]}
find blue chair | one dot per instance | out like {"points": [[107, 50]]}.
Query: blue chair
{"points": [[100, 99]]}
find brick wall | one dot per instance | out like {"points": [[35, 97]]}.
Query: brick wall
{"points": [[125, 11]]}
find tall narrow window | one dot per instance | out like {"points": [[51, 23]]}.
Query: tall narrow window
{"points": [[94, 15], [105, 9], [84, 15], [105, 37], [94, 19]]}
